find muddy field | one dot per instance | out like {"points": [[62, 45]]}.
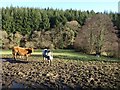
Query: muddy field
{"points": [[62, 74]]}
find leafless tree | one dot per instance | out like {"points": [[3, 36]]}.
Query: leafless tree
{"points": [[97, 36]]}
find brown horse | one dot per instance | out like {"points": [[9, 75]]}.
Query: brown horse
{"points": [[21, 51]]}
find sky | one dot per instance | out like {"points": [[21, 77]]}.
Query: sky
{"points": [[84, 5]]}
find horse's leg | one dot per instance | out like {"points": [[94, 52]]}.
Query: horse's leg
{"points": [[50, 62], [14, 56], [43, 59], [26, 57]]}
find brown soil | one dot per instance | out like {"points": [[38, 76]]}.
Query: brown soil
{"points": [[62, 74]]}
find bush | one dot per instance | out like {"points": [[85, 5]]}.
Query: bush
{"points": [[4, 39]]}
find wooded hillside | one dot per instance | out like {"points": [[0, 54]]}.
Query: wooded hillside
{"points": [[40, 28]]}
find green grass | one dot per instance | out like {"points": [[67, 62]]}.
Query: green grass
{"points": [[68, 54]]}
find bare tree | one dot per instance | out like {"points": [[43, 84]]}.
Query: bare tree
{"points": [[97, 36]]}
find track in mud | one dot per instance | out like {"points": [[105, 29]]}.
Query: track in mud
{"points": [[62, 74]]}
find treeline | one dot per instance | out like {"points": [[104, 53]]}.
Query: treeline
{"points": [[26, 20], [40, 28], [58, 28]]}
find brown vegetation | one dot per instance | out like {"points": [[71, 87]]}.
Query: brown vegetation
{"points": [[59, 37], [97, 35]]}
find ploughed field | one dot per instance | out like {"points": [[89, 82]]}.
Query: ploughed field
{"points": [[62, 74]]}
